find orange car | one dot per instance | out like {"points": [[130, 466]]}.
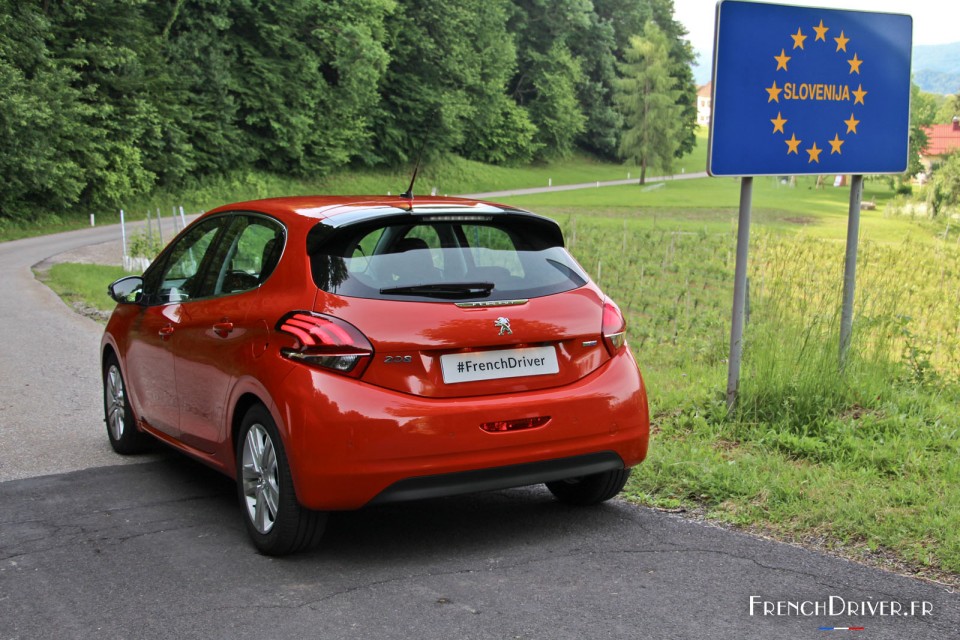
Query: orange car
{"points": [[335, 352]]}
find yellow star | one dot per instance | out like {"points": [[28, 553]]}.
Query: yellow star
{"points": [[778, 124], [798, 39], [859, 93], [841, 42], [835, 144], [821, 32], [793, 144], [814, 153], [851, 124], [782, 60], [855, 64], [774, 92]]}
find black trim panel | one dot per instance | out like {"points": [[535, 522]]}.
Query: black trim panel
{"points": [[519, 475]]}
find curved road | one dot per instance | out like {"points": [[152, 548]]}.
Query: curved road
{"points": [[51, 416], [93, 548]]}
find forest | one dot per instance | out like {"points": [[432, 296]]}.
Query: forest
{"points": [[103, 100]]}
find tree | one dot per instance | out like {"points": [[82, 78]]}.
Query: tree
{"points": [[288, 86], [111, 47], [943, 191], [445, 87], [498, 131], [952, 107], [198, 52], [41, 116], [78, 105], [593, 46], [554, 107], [948, 107], [627, 18], [922, 114], [647, 99], [682, 57], [549, 73]]}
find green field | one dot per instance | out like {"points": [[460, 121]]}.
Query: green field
{"points": [[864, 461]]}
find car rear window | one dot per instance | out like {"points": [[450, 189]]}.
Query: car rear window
{"points": [[441, 257]]}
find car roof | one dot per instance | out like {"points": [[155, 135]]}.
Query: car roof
{"points": [[338, 210]]}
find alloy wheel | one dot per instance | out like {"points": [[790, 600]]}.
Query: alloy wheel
{"points": [[261, 485]]}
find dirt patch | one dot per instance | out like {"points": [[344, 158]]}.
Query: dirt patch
{"points": [[105, 253], [93, 313], [799, 220]]}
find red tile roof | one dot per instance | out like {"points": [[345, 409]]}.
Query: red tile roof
{"points": [[942, 139]]}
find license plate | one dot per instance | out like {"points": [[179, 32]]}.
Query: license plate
{"points": [[496, 365]]}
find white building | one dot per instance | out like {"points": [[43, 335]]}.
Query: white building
{"points": [[704, 104]]}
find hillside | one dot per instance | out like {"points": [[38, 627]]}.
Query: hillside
{"points": [[936, 68]]}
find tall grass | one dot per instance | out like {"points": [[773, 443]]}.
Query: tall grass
{"points": [[862, 457]]}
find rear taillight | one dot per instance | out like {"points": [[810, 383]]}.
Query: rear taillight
{"points": [[326, 342], [614, 327]]}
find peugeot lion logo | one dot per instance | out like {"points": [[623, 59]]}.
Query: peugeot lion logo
{"points": [[504, 325]]}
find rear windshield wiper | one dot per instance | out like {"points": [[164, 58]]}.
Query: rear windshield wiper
{"points": [[451, 290]]}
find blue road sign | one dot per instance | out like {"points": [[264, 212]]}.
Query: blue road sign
{"points": [[802, 90]]}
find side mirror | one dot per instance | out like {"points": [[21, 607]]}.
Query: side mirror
{"points": [[126, 290]]}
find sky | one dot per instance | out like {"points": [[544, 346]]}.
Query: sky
{"points": [[934, 21]]}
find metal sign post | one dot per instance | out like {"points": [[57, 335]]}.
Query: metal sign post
{"points": [[806, 91], [739, 292], [850, 267]]}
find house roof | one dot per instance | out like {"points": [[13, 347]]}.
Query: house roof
{"points": [[942, 139], [705, 90]]}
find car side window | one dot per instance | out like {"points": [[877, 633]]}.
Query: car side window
{"points": [[177, 277], [252, 249]]}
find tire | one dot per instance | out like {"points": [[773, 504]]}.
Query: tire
{"points": [[589, 490], [125, 438], [278, 525]]}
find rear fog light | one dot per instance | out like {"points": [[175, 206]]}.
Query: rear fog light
{"points": [[502, 426]]}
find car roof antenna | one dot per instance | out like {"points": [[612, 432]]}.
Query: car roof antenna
{"points": [[408, 194]]}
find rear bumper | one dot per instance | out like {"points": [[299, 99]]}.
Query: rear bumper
{"points": [[518, 475], [350, 444]]}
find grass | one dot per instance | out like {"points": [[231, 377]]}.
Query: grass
{"points": [[82, 284], [862, 460], [713, 203]]}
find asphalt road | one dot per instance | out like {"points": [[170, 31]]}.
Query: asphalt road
{"points": [[158, 550], [90, 547], [51, 415]]}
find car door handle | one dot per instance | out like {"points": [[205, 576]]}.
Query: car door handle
{"points": [[223, 329], [166, 332]]}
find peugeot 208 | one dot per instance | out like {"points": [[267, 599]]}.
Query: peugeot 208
{"points": [[336, 352]]}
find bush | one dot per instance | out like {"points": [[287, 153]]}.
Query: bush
{"points": [[144, 246]]}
